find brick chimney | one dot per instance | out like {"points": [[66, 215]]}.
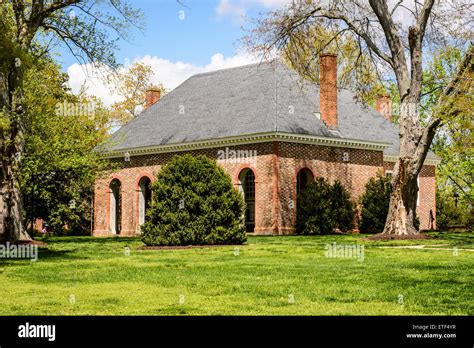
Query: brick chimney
{"points": [[153, 94], [328, 89], [384, 106]]}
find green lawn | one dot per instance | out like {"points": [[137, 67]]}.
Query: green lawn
{"points": [[268, 276]]}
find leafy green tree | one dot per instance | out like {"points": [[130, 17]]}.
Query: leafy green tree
{"points": [[59, 166], [130, 84], [450, 211], [454, 143], [27, 29], [194, 203]]}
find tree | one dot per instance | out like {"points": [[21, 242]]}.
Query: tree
{"points": [[454, 142], [302, 54], [397, 53], [194, 203], [130, 84], [27, 31], [59, 166]]}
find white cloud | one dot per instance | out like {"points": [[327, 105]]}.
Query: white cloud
{"points": [[226, 8], [237, 9], [169, 73], [92, 78]]}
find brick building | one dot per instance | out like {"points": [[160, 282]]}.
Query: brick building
{"points": [[270, 130]]}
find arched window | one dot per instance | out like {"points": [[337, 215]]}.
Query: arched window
{"points": [[144, 199], [115, 206], [247, 186], [305, 176]]}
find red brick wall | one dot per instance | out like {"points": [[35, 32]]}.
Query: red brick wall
{"points": [[139, 166], [276, 169], [326, 162], [426, 192]]}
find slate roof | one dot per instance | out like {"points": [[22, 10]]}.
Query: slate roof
{"points": [[256, 98]]}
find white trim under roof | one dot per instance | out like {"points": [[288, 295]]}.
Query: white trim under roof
{"points": [[428, 161], [250, 139]]}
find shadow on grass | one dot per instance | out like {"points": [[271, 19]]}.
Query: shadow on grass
{"points": [[44, 254], [458, 237], [87, 239]]}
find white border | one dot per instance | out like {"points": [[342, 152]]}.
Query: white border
{"points": [[428, 161]]}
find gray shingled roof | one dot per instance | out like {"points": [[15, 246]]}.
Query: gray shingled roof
{"points": [[247, 100]]}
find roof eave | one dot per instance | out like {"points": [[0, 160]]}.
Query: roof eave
{"points": [[428, 161], [249, 139]]}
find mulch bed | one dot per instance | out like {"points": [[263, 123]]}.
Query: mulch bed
{"points": [[381, 236], [178, 247], [30, 242]]}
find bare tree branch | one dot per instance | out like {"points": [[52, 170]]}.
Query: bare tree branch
{"points": [[396, 47]]}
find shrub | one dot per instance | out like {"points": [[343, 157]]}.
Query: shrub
{"points": [[194, 203], [343, 209], [323, 207], [375, 202], [448, 213]]}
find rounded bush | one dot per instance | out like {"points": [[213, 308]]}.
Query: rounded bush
{"points": [[194, 203], [322, 208], [375, 202]]}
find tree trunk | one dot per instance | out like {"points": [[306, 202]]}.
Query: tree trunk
{"points": [[413, 149], [402, 210], [13, 214], [13, 145], [13, 205]]}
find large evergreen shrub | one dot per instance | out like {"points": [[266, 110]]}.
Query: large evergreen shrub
{"points": [[194, 203], [375, 202], [343, 209], [323, 207]]}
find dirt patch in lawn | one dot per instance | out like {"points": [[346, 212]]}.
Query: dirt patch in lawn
{"points": [[179, 247], [30, 242], [381, 236]]}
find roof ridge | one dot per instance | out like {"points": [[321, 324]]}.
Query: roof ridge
{"points": [[262, 63]]}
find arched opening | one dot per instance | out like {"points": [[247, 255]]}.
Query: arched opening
{"points": [[144, 199], [247, 187], [115, 206], [305, 176]]}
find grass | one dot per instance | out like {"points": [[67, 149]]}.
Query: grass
{"points": [[269, 276]]}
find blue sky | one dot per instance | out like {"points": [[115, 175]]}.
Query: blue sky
{"points": [[206, 39], [205, 30]]}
